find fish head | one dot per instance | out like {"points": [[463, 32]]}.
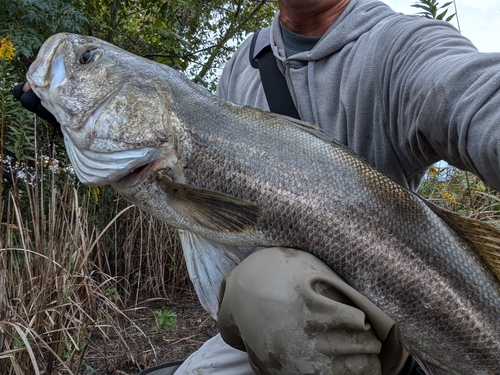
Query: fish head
{"points": [[114, 116]]}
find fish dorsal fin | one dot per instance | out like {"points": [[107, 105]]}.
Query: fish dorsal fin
{"points": [[304, 124], [207, 263], [210, 209], [484, 238], [318, 133]]}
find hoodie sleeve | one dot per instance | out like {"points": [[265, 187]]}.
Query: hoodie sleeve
{"points": [[442, 98]]}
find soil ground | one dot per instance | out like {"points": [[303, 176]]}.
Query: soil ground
{"points": [[141, 344]]}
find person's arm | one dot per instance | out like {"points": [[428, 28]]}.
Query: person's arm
{"points": [[443, 99]]}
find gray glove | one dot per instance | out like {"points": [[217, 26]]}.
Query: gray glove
{"points": [[293, 315]]}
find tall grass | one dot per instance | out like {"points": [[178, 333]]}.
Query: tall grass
{"points": [[71, 258], [461, 192]]}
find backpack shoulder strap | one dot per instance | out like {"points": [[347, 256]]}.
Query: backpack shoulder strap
{"points": [[275, 87]]}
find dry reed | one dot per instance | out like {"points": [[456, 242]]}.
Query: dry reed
{"points": [[71, 259]]}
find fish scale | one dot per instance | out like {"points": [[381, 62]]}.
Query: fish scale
{"points": [[240, 176]]}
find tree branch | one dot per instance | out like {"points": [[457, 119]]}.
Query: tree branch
{"points": [[225, 38]]}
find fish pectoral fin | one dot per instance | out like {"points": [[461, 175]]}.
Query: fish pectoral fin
{"points": [[431, 369], [483, 237], [207, 263], [211, 209]]}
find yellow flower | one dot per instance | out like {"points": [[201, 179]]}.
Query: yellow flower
{"points": [[96, 190], [433, 172], [450, 198], [6, 49]]}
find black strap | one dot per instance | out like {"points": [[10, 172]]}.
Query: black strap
{"points": [[277, 92]]}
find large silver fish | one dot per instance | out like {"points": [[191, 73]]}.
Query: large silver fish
{"points": [[244, 177]]}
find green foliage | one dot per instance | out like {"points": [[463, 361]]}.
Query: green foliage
{"points": [[432, 10], [195, 36], [112, 294], [30, 22], [166, 319], [27, 23], [19, 342], [69, 348], [16, 128]]}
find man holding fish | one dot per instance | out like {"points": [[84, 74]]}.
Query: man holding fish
{"points": [[403, 93]]}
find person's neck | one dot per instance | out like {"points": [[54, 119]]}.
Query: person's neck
{"points": [[313, 21]]}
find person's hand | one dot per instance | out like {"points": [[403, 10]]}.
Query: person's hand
{"points": [[31, 102]]}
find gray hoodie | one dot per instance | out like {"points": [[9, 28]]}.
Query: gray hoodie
{"points": [[401, 91]]}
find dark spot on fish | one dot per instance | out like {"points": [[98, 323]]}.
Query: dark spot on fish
{"points": [[235, 329], [255, 361], [274, 361], [311, 329], [289, 253]]}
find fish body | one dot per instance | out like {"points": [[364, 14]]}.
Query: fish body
{"points": [[244, 177]]}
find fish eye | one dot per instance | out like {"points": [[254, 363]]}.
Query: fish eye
{"points": [[90, 55]]}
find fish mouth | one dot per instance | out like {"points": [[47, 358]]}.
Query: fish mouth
{"points": [[125, 167], [134, 178]]}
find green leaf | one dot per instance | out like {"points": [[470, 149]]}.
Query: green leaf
{"points": [[449, 18], [431, 8], [440, 16]]}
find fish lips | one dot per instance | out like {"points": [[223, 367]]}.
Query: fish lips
{"points": [[118, 167], [51, 70]]}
